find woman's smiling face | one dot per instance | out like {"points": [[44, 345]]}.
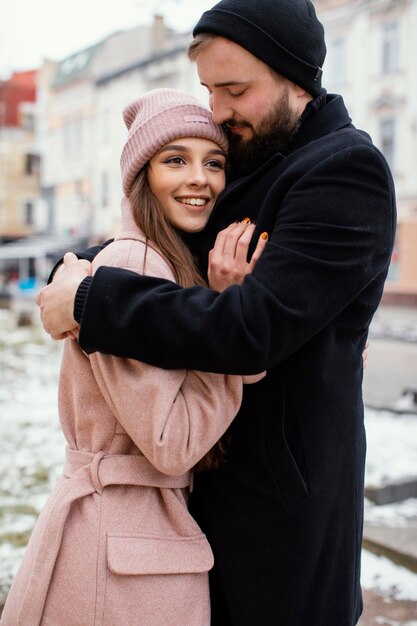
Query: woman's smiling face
{"points": [[186, 176]]}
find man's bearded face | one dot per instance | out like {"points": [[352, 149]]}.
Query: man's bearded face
{"points": [[272, 134]]}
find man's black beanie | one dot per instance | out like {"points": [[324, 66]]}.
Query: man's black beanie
{"points": [[284, 34]]}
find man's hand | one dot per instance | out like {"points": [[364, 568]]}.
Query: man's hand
{"points": [[228, 259], [56, 300]]}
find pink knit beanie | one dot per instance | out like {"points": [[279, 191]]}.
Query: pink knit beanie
{"points": [[158, 117]]}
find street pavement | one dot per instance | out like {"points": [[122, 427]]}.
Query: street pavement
{"points": [[380, 611], [392, 359]]}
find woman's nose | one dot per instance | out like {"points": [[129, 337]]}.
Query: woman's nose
{"points": [[198, 175]]}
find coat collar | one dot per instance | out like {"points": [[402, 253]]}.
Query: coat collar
{"points": [[329, 118]]}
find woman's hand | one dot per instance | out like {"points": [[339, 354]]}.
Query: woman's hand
{"points": [[228, 259]]}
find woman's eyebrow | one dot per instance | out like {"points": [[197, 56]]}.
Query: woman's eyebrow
{"points": [[179, 148], [173, 146]]}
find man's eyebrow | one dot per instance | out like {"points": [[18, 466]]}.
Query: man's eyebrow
{"points": [[228, 83]]}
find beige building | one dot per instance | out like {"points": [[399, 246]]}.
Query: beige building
{"points": [[19, 182], [66, 113], [167, 66], [82, 128], [19, 159], [371, 52]]}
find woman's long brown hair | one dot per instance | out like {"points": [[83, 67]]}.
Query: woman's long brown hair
{"points": [[150, 217]]}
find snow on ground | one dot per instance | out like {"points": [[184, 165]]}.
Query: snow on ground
{"points": [[31, 442], [404, 327], [32, 454], [392, 446], [384, 576]]}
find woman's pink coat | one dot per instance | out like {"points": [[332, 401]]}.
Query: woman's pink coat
{"points": [[115, 544]]}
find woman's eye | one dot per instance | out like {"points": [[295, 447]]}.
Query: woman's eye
{"points": [[215, 165], [175, 160]]}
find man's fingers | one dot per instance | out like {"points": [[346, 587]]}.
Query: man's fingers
{"points": [[38, 298], [86, 265], [69, 259], [56, 300]]}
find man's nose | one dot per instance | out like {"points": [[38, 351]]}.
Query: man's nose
{"points": [[221, 111]]}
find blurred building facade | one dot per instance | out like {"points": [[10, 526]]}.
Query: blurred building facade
{"points": [[371, 46], [19, 157], [371, 52], [82, 130]]}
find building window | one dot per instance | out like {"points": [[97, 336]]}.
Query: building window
{"points": [[337, 62], [28, 213], [73, 135], [31, 164], [28, 121], [390, 45], [387, 139]]}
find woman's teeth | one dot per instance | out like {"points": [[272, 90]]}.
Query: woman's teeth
{"points": [[192, 201]]}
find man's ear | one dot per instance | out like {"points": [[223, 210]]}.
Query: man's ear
{"points": [[298, 98]]}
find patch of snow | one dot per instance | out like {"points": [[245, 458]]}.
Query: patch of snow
{"points": [[393, 515], [383, 575], [392, 446], [32, 451]]}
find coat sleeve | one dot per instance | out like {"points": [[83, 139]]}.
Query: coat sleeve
{"points": [[174, 417], [331, 240]]}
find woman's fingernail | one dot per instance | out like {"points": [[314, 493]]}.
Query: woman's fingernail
{"points": [[264, 236], [246, 220]]}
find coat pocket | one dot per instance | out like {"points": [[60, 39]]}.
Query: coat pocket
{"points": [[132, 555]]}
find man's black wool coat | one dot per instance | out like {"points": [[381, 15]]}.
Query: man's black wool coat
{"points": [[284, 512]]}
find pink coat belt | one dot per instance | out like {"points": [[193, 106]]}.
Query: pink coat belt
{"points": [[87, 473]]}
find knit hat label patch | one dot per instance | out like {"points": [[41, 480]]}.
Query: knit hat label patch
{"points": [[196, 118]]}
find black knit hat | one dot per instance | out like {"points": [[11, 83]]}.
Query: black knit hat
{"points": [[284, 34]]}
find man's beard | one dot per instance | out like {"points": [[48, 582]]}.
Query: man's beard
{"points": [[273, 134]]}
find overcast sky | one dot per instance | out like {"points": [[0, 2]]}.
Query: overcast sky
{"points": [[31, 30]]}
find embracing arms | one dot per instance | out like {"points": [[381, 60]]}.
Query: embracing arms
{"points": [[174, 417], [331, 242]]}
